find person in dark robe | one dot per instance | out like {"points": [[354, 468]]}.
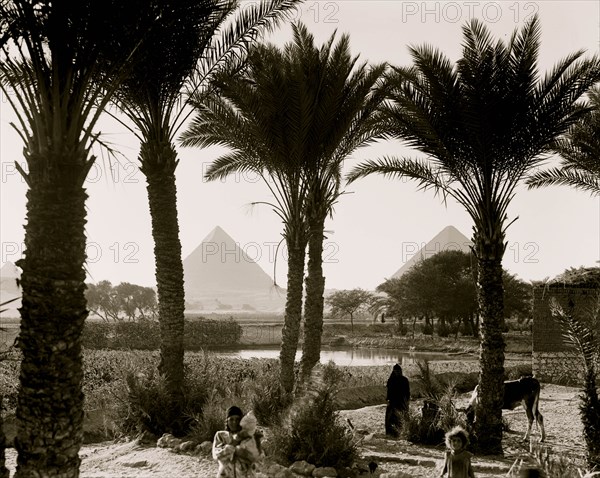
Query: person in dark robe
{"points": [[398, 399]]}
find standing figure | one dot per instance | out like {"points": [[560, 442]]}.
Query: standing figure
{"points": [[457, 460], [235, 448], [398, 398]]}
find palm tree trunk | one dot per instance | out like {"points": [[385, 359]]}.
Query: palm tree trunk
{"points": [[3, 470], [313, 304], [158, 164], [293, 314], [589, 408], [488, 424], [53, 311]]}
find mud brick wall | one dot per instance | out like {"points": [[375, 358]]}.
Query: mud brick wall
{"points": [[553, 360]]}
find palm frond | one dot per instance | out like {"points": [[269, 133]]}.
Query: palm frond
{"points": [[578, 179]]}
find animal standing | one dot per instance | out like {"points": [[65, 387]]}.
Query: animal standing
{"points": [[526, 392]]}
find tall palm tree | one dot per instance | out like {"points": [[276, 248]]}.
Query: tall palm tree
{"points": [[316, 108], [258, 114], [49, 53], [189, 41], [580, 152], [4, 473], [344, 117], [483, 124]]}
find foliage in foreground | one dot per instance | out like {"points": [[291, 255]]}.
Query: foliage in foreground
{"points": [[550, 466], [438, 414], [312, 430]]}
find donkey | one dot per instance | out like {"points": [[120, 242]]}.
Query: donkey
{"points": [[526, 392]]}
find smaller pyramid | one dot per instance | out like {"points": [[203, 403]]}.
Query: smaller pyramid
{"points": [[448, 239], [9, 273]]}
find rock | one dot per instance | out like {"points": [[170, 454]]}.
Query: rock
{"points": [[278, 471], [204, 447], [302, 468], [165, 440], [324, 471], [146, 438], [396, 474], [348, 473], [187, 446], [175, 443]]}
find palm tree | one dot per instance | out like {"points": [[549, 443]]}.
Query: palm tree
{"points": [[258, 114], [49, 53], [344, 117], [580, 151], [483, 124], [4, 473], [328, 107], [188, 43]]}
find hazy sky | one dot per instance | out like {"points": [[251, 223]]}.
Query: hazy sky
{"points": [[380, 222]]}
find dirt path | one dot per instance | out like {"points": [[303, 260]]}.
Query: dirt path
{"points": [[557, 404]]}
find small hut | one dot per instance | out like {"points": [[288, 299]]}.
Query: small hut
{"points": [[577, 293]]}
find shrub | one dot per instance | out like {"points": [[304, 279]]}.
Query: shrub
{"points": [[146, 404], [211, 420], [443, 329], [312, 430], [550, 466], [416, 429], [141, 335], [96, 335], [268, 399], [427, 329], [145, 334], [438, 414]]}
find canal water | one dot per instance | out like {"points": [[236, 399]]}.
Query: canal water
{"points": [[350, 356]]}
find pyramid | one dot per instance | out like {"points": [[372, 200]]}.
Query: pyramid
{"points": [[448, 239], [9, 273], [219, 271]]}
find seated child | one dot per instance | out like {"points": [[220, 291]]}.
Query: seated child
{"points": [[236, 447]]}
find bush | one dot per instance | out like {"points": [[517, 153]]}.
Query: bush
{"points": [[141, 335], [147, 405], [145, 334], [443, 329], [312, 430], [438, 414], [416, 429], [427, 329], [211, 420], [268, 399], [551, 466]]}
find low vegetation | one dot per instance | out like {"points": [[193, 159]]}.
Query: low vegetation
{"points": [[144, 334]]}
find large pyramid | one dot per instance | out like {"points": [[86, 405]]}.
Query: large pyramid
{"points": [[448, 239], [219, 273]]}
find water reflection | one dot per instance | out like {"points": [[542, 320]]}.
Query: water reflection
{"points": [[349, 356]]}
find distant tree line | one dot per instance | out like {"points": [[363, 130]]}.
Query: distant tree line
{"points": [[121, 302], [440, 289]]}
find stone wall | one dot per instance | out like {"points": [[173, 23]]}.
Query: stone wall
{"points": [[553, 359]]}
